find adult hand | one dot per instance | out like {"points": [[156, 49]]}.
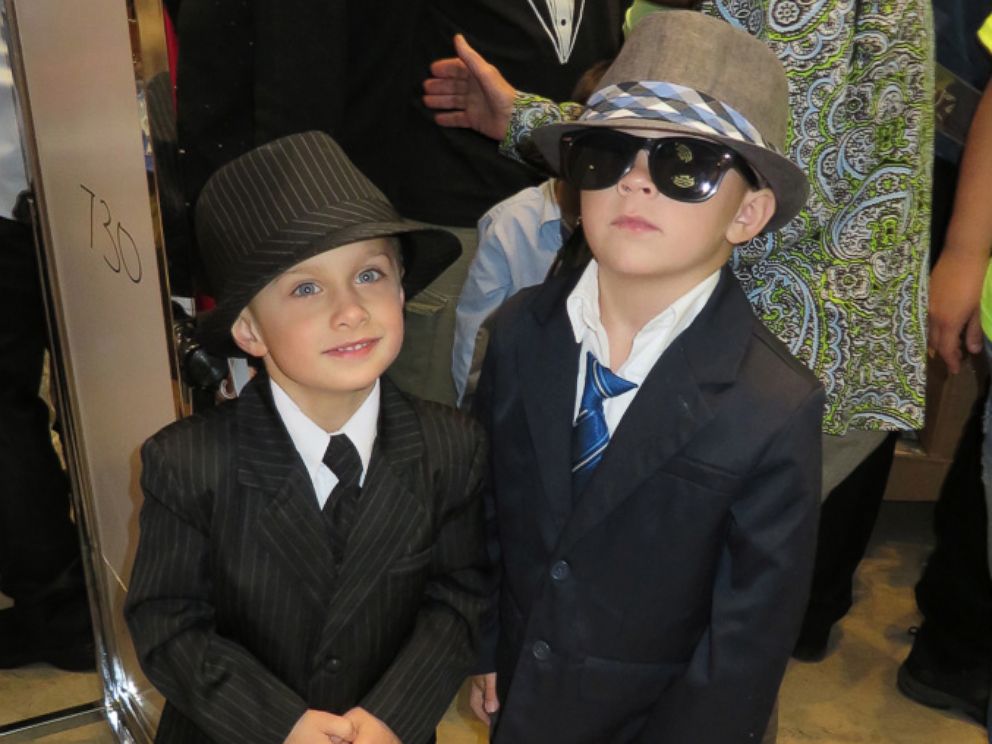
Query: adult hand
{"points": [[955, 294], [321, 727], [469, 92], [369, 729], [482, 696]]}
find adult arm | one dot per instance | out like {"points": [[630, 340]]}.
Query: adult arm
{"points": [[726, 694], [469, 92], [957, 278]]}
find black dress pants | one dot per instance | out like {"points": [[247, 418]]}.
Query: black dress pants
{"points": [[847, 519], [954, 593]]}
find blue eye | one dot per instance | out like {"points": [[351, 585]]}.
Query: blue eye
{"points": [[367, 276], [306, 289]]}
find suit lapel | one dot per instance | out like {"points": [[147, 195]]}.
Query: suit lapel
{"points": [[548, 364], [678, 398], [391, 510], [290, 527]]}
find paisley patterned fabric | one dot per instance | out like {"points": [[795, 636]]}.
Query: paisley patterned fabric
{"points": [[844, 285]]}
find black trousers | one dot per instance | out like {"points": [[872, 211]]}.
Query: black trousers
{"points": [[847, 519], [38, 542], [954, 593]]}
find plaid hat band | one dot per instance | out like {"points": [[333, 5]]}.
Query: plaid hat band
{"points": [[675, 104]]}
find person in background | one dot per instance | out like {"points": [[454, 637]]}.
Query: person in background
{"points": [[40, 562], [950, 664], [451, 177], [519, 239]]}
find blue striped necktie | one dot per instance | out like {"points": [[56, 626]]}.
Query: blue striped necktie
{"points": [[590, 435]]}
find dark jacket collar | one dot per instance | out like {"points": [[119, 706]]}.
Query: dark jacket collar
{"points": [[291, 525], [676, 400], [714, 357], [266, 454]]}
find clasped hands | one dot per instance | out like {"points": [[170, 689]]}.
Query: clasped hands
{"points": [[357, 726]]}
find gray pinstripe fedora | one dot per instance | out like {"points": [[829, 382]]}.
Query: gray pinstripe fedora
{"points": [[285, 202], [682, 71]]}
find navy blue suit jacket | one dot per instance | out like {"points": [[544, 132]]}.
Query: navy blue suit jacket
{"points": [[662, 606]]}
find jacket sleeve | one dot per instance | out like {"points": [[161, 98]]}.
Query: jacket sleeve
{"points": [[481, 409], [759, 597], [414, 692], [530, 112], [213, 681]]}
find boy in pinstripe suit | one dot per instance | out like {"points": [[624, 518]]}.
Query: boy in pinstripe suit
{"points": [[311, 565]]}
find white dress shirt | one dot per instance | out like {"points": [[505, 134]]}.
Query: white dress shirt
{"points": [[311, 440], [649, 343]]}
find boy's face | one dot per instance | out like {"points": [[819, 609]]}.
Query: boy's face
{"points": [[328, 327], [637, 232]]}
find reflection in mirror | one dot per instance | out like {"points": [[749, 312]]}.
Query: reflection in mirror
{"points": [[91, 145]]}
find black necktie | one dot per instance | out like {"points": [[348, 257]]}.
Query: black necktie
{"points": [[339, 509]]}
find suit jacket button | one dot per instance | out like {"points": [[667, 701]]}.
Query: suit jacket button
{"points": [[541, 651], [561, 571], [334, 664]]}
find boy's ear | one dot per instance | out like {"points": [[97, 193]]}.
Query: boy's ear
{"points": [[246, 335], [757, 207]]}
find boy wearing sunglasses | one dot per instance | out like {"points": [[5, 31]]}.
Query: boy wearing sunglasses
{"points": [[655, 450]]}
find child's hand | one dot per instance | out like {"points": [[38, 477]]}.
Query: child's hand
{"points": [[320, 727], [482, 696], [369, 729]]}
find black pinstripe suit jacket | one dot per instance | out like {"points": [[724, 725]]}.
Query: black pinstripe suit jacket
{"points": [[235, 606]]}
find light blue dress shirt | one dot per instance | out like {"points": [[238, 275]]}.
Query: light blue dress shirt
{"points": [[518, 241]]}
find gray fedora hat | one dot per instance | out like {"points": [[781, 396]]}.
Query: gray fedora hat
{"points": [[285, 202], [683, 71]]}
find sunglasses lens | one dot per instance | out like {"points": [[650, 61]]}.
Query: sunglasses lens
{"points": [[593, 159], [682, 168], [688, 170]]}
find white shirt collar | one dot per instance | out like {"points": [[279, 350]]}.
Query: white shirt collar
{"points": [[651, 340], [649, 343], [311, 440]]}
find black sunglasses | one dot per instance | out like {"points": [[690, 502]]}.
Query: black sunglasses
{"points": [[682, 168]]}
